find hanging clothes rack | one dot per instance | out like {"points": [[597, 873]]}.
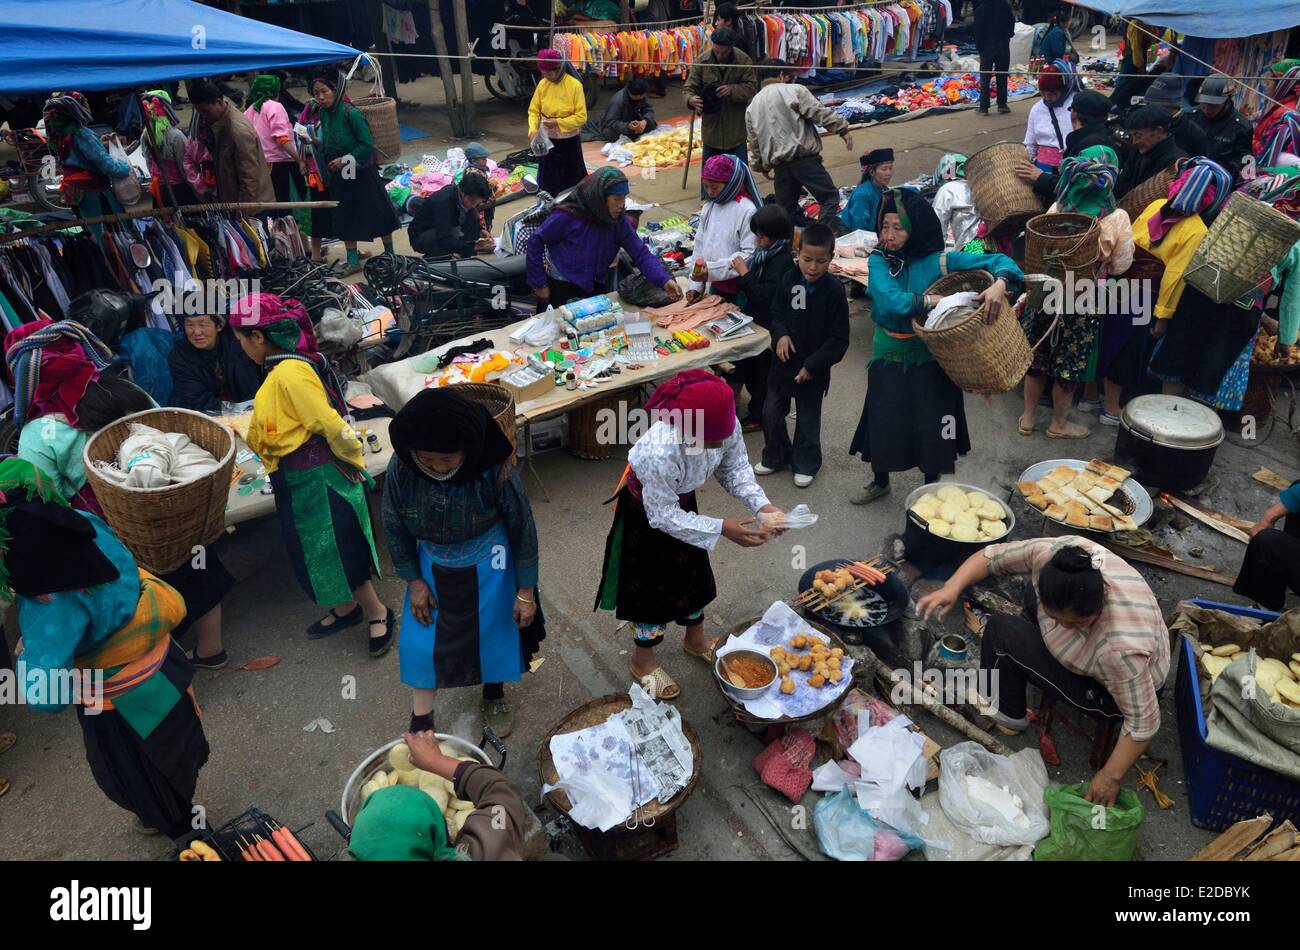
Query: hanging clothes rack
{"points": [[241, 206]]}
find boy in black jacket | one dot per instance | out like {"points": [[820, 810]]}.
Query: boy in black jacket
{"points": [[810, 323], [760, 279]]}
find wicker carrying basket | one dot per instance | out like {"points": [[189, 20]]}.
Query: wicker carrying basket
{"points": [[1002, 199], [381, 115], [584, 426], [161, 526], [1056, 243], [1243, 245], [979, 356], [1153, 189]]}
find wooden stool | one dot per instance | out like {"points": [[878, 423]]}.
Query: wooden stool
{"points": [[1103, 740]]}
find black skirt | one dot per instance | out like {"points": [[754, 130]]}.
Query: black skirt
{"points": [[1204, 339], [287, 181], [153, 777], [364, 212], [913, 417], [652, 577], [562, 167], [201, 589]]}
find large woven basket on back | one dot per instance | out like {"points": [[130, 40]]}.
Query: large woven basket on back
{"points": [[1001, 199], [1153, 189], [1245, 242], [498, 402], [161, 526], [381, 115], [980, 355], [1056, 243]]}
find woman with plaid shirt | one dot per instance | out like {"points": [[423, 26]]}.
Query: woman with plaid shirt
{"points": [[1092, 635]]}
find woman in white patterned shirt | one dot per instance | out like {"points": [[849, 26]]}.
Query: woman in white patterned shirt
{"points": [[656, 568], [1092, 634]]}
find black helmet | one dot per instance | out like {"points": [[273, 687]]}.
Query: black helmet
{"points": [[105, 313]]}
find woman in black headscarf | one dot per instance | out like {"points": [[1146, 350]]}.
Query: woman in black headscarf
{"points": [[913, 416], [461, 534]]}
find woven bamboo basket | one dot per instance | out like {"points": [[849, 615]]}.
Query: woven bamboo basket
{"points": [[979, 355], [161, 526], [584, 426], [1245, 242], [381, 115], [1002, 199], [1056, 243], [1153, 189]]}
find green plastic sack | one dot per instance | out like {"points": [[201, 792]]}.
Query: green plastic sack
{"points": [[1079, 832]]}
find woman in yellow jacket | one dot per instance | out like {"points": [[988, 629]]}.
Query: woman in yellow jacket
{"points": [[316, 463], [559, 108]]}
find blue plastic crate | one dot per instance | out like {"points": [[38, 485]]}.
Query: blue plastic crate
{"points": [[1222, 788]]}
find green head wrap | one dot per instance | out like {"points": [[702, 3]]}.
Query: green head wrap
{"points": [[1086, 183], [265, 86], [401, 823], [157, 115]]}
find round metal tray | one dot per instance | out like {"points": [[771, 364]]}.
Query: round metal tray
{"points": [[1143, 506], [888, 600]]}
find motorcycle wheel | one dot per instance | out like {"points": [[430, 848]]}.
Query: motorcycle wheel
{"points": [[494, 88], [45, 192], [1081, 22]]}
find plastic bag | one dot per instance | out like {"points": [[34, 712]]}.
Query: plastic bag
{"points": [[540, 143], [1082, 831], [847, 833], [127, 189], [1025, 778], [797, 517]]}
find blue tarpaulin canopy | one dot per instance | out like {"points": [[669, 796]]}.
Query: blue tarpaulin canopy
{"points": [[1216, 19], [114, 44]]}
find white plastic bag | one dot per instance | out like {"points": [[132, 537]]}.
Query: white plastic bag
{"points": [[1022, 776], [126, 189], [540, 143], [797, 517]]}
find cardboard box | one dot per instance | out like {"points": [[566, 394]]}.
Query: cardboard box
{"points": [[538, 387]]}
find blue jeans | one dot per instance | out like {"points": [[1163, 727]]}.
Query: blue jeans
{"points": [[741, 152]]}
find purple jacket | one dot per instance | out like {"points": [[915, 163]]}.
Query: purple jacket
{"points": [[582, 251]]}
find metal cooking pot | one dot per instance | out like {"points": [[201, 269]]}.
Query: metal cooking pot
{"points": [[929, 551]]}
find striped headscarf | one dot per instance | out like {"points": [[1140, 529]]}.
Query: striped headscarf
{"points": [[738, 180], [1287, 72], [1281, 190], [64, 113], [1202, 187], [1283, 138], [1070, 77], [51, 365], [1086, 184]]}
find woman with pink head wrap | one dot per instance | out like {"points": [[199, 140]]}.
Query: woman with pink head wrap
{"points": [[656, 568], [731, 198], [316, 462], [558, 111]]}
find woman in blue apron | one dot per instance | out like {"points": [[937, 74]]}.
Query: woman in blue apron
{"points": [[461, 534]]}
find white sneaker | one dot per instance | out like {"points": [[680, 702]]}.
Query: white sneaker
{"points": [[802, 481], [761, 469], [1089, 405]]}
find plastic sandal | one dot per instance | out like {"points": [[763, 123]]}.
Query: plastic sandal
{"points": [[658, 683], [707, 655]]}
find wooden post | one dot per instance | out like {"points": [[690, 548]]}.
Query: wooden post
{"points": [[380, 43], [444, 67], [466, 67], [624, 12]]}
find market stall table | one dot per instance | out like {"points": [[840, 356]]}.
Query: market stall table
{"points": [[396, 383], [247, 505]]}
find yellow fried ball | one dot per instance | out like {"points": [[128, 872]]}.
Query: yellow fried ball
{"points": [[836, 676], [787, 685], [817, 681], [805, 663]]}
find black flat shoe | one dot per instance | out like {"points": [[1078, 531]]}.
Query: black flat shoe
{"points": [[216, 661], [320, 629], [379, 645]]}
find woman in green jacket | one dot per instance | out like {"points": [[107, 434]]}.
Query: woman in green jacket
{"points": [[344, 152]]}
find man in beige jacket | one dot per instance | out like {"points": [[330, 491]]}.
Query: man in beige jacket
{"points": [[242, 171], [781, 123]]}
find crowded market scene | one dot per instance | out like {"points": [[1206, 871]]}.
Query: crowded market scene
{"points": [[594, 431]]}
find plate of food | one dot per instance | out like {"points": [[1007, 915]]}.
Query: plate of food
{"points": [[1089, 496], [848, 593]]}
